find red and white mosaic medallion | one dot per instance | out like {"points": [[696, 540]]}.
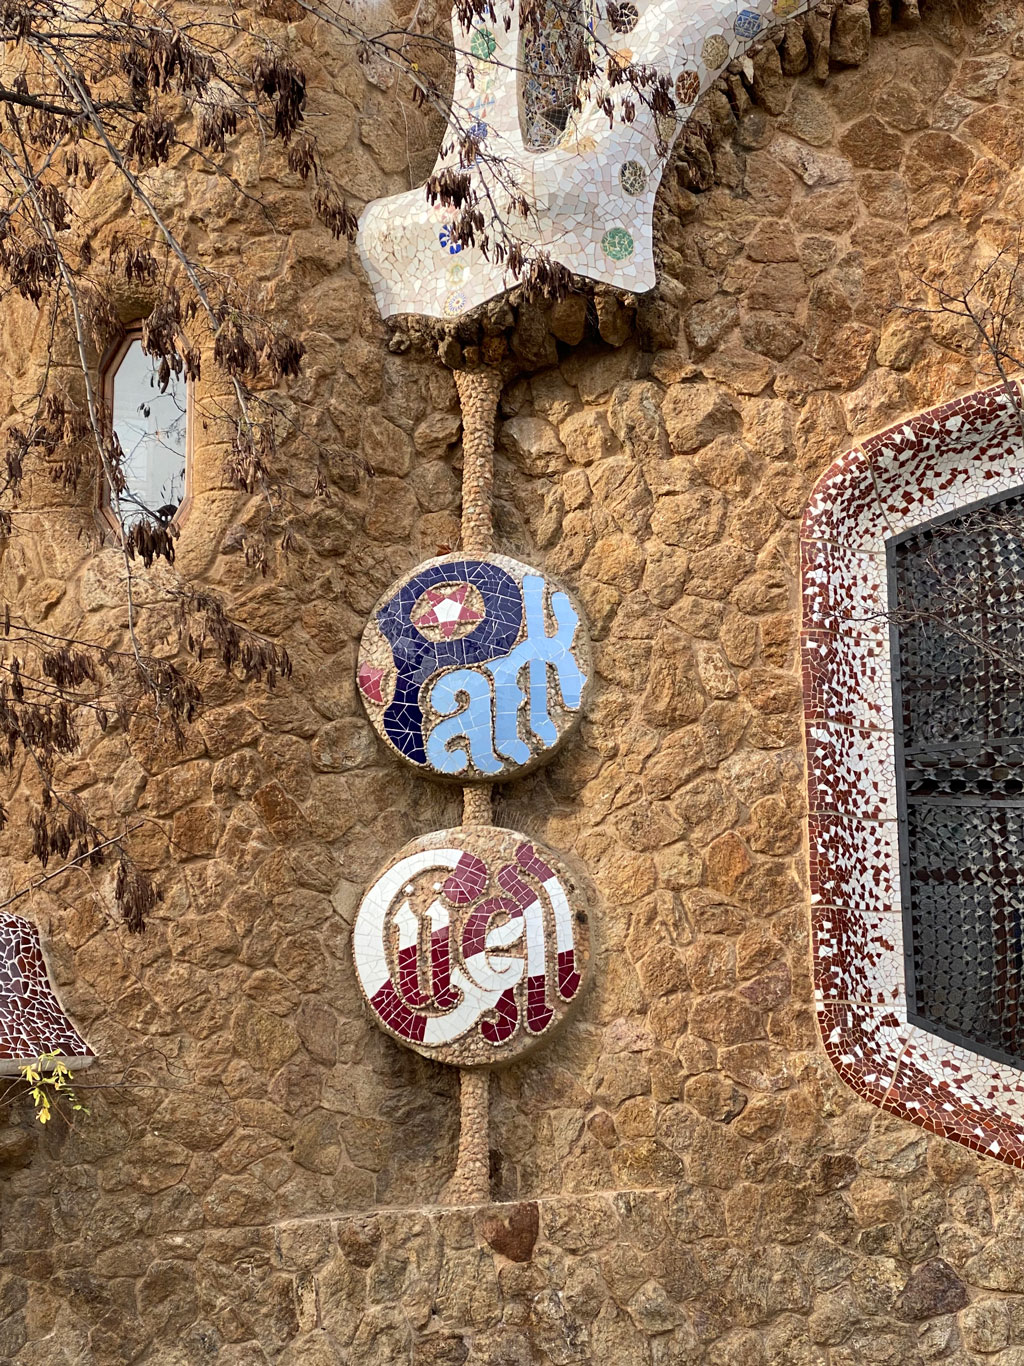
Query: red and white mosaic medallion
{"points": [[472, 945]]}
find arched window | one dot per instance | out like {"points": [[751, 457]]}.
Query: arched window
{"points": [[912, 569], [957, 593], [149, 415]]}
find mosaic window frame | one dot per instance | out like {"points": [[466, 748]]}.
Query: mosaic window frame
{"points": [[945, 460], [109, 367]]}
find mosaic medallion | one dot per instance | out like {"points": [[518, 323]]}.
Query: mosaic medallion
{"points": [[667, 126], [617, 243], [633, 177], [474, 668], [715, 51], [449, 240], [31, 1020], [748, 24], [472, 945], [482, 43], [623, 17], [687, 87]]}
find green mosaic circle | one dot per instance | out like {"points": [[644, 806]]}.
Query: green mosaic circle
{"points": [[617, 243], [482, 43]]}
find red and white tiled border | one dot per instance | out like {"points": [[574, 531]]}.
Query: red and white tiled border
{"points": [[941, 460], [32, 1021]]}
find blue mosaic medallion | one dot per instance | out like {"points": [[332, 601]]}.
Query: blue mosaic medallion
{"points": [[748, 24], [474, 668]]}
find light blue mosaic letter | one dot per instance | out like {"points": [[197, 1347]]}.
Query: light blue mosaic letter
{"points": [[473, 722], [537, 650]]}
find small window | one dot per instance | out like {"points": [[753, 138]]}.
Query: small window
{"points": [[151, 422], [957, 588]]}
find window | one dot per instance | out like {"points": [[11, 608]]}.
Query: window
{"points": [[913, 592], [957, 594], [151, 423]]}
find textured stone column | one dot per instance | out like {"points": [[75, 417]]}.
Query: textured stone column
{"points": [[479, 391], [470, 1183], [476, 804]]}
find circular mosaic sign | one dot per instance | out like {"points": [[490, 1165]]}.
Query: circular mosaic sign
{"points": [[472, 945], [474, 668]]}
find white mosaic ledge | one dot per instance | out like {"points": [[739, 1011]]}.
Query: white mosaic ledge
{"points": [[592, 194]]}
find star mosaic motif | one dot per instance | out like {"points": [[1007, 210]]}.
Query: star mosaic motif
{"points": [[370, 680], [446, 610]]}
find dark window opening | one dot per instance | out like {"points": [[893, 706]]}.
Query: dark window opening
{"points": [[957, 603]]}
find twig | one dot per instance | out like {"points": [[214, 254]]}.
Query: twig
{"points": [[71, 863]]}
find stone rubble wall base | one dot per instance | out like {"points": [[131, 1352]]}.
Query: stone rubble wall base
{"points": [[630, 1278]]}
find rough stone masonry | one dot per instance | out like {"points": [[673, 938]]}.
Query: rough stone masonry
{"points": [[680, 1177]]}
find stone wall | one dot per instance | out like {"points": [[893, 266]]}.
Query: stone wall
{"points": [[690, 1180]]}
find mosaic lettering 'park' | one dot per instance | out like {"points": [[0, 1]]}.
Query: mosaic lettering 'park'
{"points": [[512, 683]]}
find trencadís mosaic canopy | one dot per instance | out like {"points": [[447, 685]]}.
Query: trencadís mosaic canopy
{"points": [[590, 181]]}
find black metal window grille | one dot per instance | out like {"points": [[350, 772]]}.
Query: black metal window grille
{"points": [[956, 598]]}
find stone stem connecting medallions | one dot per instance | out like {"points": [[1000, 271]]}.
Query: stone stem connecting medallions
{"points": [[472, 944]]}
